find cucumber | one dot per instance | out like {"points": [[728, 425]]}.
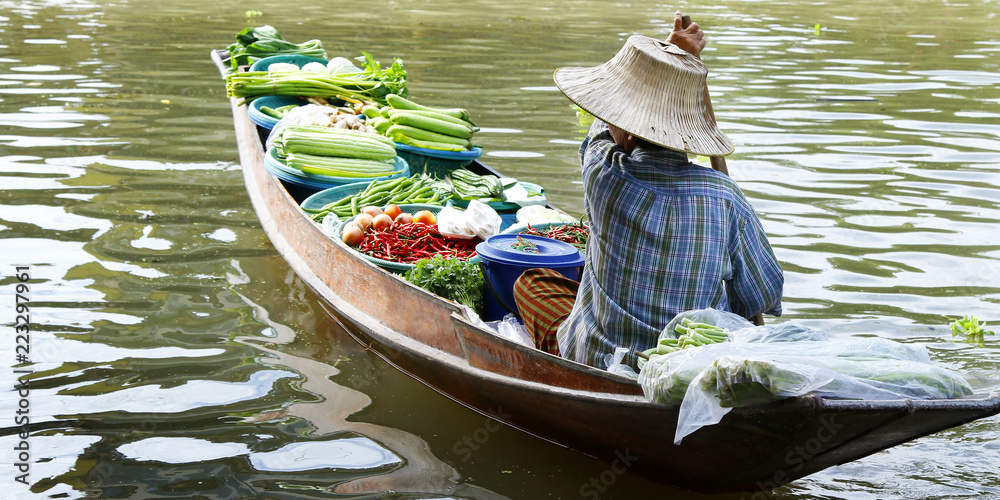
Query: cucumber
{"points": [[409, 141], [399, 102], [426, 135], [434, 114], [432, 125], [371, 111]]}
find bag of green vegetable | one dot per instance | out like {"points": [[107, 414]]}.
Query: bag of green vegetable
{"points": [[454, 279], [764, 364]]}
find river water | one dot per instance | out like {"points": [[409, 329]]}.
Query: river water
{"points": [[175, 355]]}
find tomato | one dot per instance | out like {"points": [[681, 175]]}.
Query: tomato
{"points": [[352, 234], [425, 216], [403, 218], [381, 222], [371, 210], [363, 220], [392, 211]]}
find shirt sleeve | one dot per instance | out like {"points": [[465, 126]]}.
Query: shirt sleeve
{"points": [[597, 145], [757, 281]]}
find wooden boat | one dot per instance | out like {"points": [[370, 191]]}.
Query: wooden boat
{"points": [[577, 406]]}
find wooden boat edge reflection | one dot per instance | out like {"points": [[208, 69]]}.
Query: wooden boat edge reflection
{"points": [[605, 416]]}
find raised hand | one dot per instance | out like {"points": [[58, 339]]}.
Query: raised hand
{"points": [[691, 39]]}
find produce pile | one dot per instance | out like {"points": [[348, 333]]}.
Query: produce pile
{"points": [[574, 234], [355, 119], [337, 79], [710, 361], [451, 278], [253, 44], [336, 152], [420, 189], [406, 122], [396, 236]]}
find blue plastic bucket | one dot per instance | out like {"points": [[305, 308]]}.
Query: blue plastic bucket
{"points": [[502, 264]]}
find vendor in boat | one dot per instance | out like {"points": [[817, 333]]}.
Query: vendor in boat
{"points": [[667, 235]]}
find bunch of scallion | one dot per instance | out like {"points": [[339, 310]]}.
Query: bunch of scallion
{"points": [[691, 334], [336, 152], [253, 84]]}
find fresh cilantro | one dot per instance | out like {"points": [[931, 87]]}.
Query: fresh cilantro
{"points": [[453, 279]]}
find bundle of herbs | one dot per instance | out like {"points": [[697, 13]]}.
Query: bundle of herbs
{"points": [[451, 278]]}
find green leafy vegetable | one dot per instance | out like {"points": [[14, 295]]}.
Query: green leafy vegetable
{"points": [[970, 327], [454, 279], [393, 78], [258, 43]]}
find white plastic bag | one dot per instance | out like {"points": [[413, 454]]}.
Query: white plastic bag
{"points": [[329, 224], [615, 365], [511, 329], [451, 223], [537, 214], [340, 65], [482, 220], [514, 192]]}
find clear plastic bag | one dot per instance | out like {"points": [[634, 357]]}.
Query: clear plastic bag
{"points": [[615, 365], [764, 364], [482, 219], [511, 329], [451, 223], [723, 319], [537, 214]]}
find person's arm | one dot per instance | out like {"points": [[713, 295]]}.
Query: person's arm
{"points": [[597, 137], [691, 39], [758, 281]]}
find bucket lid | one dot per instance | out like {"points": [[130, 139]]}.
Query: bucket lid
{"points": [[546, 252]]}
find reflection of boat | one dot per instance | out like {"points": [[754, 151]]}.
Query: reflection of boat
{"points": [[568, 403]]}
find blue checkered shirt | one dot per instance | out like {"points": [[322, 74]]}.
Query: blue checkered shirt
{"points": [[667, 236]]}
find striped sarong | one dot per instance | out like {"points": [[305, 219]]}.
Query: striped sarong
{"points": [[544, 299]]}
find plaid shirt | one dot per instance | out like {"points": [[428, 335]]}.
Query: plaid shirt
{"points": [[667, 236]]}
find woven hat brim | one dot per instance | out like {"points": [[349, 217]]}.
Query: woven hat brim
{"points": [[656, 99]]}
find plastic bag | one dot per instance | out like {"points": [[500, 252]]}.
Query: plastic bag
{"points": [[309, 114], [482, 220], [537, 214], [451, 223], [511, 329], [341, 65], [515, 193], [615, 365], [329, 224], [723, 319], [764, 364]]}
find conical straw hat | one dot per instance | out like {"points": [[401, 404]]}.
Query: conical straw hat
{"points": [[652, 90]]}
